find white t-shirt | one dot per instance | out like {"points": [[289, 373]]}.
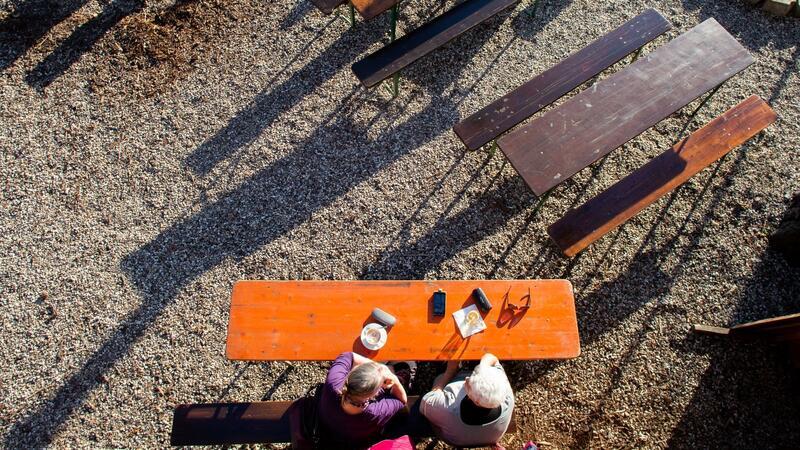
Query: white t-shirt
{"points": [[443, 410]]}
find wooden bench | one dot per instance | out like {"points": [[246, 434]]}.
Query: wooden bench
{"points": [[526, 100], [784, 330], [245, 423], [566, 139], [231, 423], [394, 57], [581, 226]]}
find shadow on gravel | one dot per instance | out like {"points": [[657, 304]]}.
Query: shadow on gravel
{"points": [[79, 42], [531, 20], [270, 104], [747, 398], [297, 13], [749, 24], [338, 155], [792, 68], [29, 22], [644, 280], [486, 215]]}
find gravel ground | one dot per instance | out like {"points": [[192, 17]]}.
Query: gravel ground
{"points": [[153, 154]]}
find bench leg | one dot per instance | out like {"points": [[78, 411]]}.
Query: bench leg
{"points": [[703, 103], [534, 7], [636, 55], [352, 14], [493, 148], [395, 89], [541, 201]]}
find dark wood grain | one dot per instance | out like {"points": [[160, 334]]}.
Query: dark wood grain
{"points": [[394, 57], [581, 226], [588, 126], [776, 329], [327, 6], [243, 423], [230, 423], [371, 8], [524, 101]]}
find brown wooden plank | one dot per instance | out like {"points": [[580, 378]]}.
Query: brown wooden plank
{"points": [[787, 331], [242, 423], [327, 6], [708, 329], [581, 226], [317, 320], [588, 126], [394, 57], [230, 423], [771, 323], [371, 8], [542, 90]]}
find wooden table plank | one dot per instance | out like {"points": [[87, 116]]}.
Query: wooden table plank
{"points": [[588, 126], [581, 226], [318, 320], [394, 57], [371, 8], [542, 90], [327, 6]]}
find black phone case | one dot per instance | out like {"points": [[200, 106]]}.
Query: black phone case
{"points": [[439, 303], [482, 300]]}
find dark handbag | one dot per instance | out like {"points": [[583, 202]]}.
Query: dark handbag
{"points": [[309, 422]]}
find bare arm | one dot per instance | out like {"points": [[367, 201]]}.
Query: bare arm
{"points": [[359, 360], [448, 375], [391, 382], [398, 391]]}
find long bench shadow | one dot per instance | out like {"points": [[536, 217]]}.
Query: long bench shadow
{"points": [[643, 280], [275, 200], [747, 396], [751, 26], [29, 22], [482, 218], [536, 15], [270, 104], [79, 42]]}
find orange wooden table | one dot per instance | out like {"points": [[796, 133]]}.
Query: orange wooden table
{"points": [[318, 320]]}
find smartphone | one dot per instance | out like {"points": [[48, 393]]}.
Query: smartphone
{"points": [[439, 302]]}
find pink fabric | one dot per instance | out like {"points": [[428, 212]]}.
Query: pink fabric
{"points": [[401, 443]]}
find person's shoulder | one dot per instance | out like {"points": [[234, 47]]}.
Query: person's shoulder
{"points": [[339, 369]]}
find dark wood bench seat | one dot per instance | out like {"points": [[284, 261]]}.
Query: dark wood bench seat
{"points": [[511, 109], [241, 423], [566, 139], [394, 57], [327, 6], [581, 226]]}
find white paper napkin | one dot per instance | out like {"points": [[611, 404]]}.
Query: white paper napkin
{"points": [[465, 327]]}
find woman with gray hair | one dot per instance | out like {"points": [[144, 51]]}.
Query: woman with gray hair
{"points": [[470, 409], [359, 398]]}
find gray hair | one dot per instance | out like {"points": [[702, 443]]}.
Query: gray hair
{"points": [[487, 386], [363, 381]]}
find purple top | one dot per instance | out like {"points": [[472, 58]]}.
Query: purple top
{"points": [[355, 428]]}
